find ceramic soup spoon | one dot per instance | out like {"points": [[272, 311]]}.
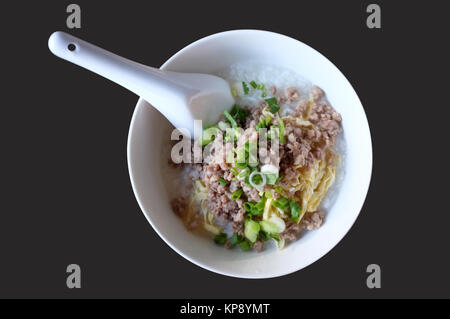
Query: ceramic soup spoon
{"points": [[180, 97]]}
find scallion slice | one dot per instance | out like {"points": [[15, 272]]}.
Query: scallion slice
{"points": [[230, 119], [237, 194], [236, 239], [252, 229], [282, 137], [248, 207], [244, 173], [245, 245], [257, 180], [273, 105], [245, 88], [281, 203], [279, 190], [295, 210], [220, 239], [271, 179], [222, 181], [263, 90]]}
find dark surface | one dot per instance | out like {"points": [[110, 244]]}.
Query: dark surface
{"points": [[66, 194]]}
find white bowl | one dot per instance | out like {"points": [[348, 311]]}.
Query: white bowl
{"points": [[210, 55]]}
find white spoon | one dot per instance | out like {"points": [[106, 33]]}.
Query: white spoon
{"points": [[180, 97]]}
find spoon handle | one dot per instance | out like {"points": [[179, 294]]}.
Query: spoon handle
{"points": [[150, 83]]}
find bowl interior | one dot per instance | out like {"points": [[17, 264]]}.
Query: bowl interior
{"points": [[149, 130]]}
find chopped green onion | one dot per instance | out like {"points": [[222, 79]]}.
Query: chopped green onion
{"points": [[239, 113], [245, 245], [271, 179], [223, 126], [209, 134], [247, 182], [274, 132], [222, 181], [248, 207], [236, 239], [273, 105], [264, 122], [246, 155], [258, 209], [295, 210], [261, 124], [234, 171], [232, 135], [279, 190], [263, 90], [246, 146], [244, 173], [269, 227], [220, 239], [230, 118], [253, 84], [252, 160], [206, 141], [237, 194], [252, 229], [257, 179], [240, 156], [243, 113], [245, 88], [275, 236], [241, 165], [255, 211], [264, 236], [282, 137], [281, 203]]}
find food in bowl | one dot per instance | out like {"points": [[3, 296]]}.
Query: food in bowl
{"points": [[264, 170]]}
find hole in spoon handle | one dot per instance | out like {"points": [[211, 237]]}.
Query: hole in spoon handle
{"points": [[71, 47]]}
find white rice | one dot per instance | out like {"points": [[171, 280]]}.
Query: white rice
{"points": [[270, 76]]}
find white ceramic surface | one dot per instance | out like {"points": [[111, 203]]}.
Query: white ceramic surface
{"points": [[210, 55]]}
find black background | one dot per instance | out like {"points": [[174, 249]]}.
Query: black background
{"points": [[66, 195]]}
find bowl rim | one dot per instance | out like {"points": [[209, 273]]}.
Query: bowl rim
{"points": [[336, 241]]}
